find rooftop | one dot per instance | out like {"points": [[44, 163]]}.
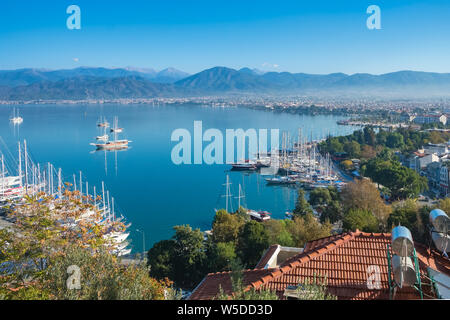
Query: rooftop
{"points": [[344, 259]]}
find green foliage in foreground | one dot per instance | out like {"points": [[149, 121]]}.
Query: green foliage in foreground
{"points": [[39, 256]]}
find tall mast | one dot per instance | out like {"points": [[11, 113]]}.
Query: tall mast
{"points": [[49, 183], [3, 176], [227, 192], [103, 193], [113, 213], [109, 208], [59, 183], [26, 164], [81, 185], [240, 196], [20, 164], [39, 177]]}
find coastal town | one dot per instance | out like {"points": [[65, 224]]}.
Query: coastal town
{"points": [[225, 159]]}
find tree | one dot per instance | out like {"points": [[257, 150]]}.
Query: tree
{"points": [[189, 260], [278, 233], [319, 196], [401, 181], [160, 259], [394, 140], [331, 212], [335, 146], [360, 219], [253, 241], [444, 205], [306, 228], [102, 277], [302, 206], [406, 213], [363, 194], [221, 256], [40, 245], [353, 149], [226, 226], [368, 152], [347, 165], [369, 136]]}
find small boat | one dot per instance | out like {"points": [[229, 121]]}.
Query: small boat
{"points": [[243, 166], [112, 145], [104, 137], [16, 119], [118, 130], [103, 123], [260, 216], [281, 180]]}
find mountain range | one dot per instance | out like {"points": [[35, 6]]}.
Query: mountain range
{"points": [[104, 83]]}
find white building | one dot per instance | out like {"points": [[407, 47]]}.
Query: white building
{"points": [[431, 118], [419, 161], [444, 184], [440, 149]]}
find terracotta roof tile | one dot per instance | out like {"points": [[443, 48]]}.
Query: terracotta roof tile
{"points": [[343, 259]]}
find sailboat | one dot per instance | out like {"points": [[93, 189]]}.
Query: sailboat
{"points": [[16, 119], [260, 216], [115, 144], [103, 123], [105, 136]]}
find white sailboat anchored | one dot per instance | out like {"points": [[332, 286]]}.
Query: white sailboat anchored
{"points": [[114, 144], [103, 123], [260, 216], [16, 119]]}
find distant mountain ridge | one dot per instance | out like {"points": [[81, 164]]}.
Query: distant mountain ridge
{"points": [[104, 83], [22, 77]]}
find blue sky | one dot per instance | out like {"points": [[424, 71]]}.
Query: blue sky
{"points": [[297, 36]]}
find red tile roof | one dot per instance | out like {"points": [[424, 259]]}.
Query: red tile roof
{"points": [[344, 260], [209, 288]]}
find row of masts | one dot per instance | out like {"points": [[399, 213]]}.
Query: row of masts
{"points": [[33, 179], [253, 214], [298, 161]]}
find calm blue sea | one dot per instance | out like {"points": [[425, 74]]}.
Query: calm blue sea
{"points": [[152, 192]]}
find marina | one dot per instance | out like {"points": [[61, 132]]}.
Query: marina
{"points": [[153, 193]]}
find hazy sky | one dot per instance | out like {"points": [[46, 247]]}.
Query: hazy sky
{"points": [[299, 36]]}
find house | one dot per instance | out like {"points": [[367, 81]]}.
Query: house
{"points": [[433, 174], [419, 161], [431, 118], [440, 149], [406, 117], [444, 179], [349, 262]]}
